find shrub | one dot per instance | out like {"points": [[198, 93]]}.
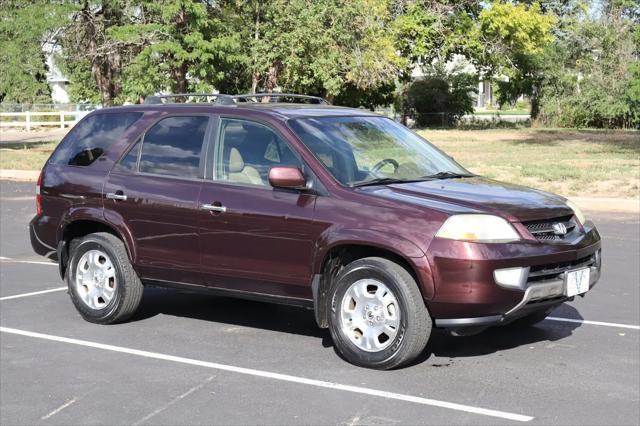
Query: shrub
{"points": [[440, 101]]}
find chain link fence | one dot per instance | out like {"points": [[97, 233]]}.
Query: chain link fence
{"points": [[479, 120]]}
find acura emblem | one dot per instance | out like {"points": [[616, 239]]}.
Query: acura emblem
{"points": [[559, 228]]}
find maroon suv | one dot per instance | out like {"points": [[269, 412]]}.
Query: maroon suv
{"points": [[337, 209]]}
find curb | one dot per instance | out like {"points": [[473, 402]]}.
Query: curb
{"points": [[618, 205], [21, 175]]}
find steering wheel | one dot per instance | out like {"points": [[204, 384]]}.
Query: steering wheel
{"points": [[380, 164]]}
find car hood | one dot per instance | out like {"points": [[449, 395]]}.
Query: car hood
{"points": [[477, 195]]}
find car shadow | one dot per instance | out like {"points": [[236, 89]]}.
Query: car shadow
{"points": [[230, 311], [301, 321], [496, 339]]}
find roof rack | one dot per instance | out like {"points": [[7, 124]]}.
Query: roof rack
{"points": [[224, 99], [218, 98], [253, 97]]}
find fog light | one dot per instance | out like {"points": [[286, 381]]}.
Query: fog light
{"points": [[515, 278]]}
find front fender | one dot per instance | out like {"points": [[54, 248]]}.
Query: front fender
{"points": [[400, 246]]}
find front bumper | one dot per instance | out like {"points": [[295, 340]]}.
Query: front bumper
{"points": [[538, 296], [467, 295]]}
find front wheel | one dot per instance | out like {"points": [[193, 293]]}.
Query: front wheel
{"points": [[378, 317]]}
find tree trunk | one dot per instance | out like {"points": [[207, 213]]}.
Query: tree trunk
{"points": [[179, 75], [255, 76], [535, 101], [272, 78]]}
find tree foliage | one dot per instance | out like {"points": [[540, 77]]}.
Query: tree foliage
{"points": [[592, 72], [25, 28], [514, 37], [576, 60], [441, 100]]}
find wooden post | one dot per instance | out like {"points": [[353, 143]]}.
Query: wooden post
{"points": [[28, 121], [62, 119]]}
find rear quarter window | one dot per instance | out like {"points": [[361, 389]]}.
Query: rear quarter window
{"points": [[88, 140]]}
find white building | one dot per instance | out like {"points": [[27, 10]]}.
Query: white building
{"points": [[56, 80]]}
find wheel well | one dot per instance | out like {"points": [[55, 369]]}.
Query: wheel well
{"points": [[334, 261], [79, 229]]}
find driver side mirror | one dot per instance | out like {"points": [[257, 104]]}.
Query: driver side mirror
{"points": [[287, 177]]}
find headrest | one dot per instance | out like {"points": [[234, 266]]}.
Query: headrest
{"points": [[236, 163]]}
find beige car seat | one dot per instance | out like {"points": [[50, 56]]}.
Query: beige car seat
{"points": [[239, 172]]}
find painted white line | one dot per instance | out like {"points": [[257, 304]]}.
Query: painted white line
{"points": [[33, 293], [32, 262], [276, 376], [173, 401], [606, 324], [57, 410]]}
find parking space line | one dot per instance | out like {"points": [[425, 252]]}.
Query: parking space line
{"points": [[605, 324], [173, 401], [32, 262], [33, 293], [275, 376], [57, 410]]}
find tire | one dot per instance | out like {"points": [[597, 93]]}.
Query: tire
{"points": [[529, 320], [404, 309], [102, 284]]}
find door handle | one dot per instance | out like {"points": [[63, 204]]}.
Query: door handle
{"points": [[213, 208], [116, 196]]}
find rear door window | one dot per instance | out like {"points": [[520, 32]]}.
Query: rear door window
{"points": [[87, 141], [173, 146]]}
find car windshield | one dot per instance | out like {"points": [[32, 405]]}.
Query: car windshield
{"points": [[361, 151]]}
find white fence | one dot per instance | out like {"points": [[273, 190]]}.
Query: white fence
{"points": [[29, 119]]}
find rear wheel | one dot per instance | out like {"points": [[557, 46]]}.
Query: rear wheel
{"points": [[378, 317], [102, 283]]}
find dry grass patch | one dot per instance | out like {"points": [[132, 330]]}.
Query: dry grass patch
{"points": [[568, 162], [25, 156]]}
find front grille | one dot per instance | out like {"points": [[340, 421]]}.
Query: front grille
{"points": [[555, 270], [543, 230]]}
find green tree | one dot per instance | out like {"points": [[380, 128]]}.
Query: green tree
{"points": [[25, 27], [514, 37], [592, 76], [185, 48], [91, 56], [324, 47]]}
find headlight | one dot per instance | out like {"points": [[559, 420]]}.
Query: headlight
{"points": [[478, 227], [576, 210]]}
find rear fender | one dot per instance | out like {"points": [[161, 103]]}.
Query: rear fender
{"points": [[107, 218]]}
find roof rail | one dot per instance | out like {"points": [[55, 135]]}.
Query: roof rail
{"points": [[253, 97], [219, 98], [224, 99]]}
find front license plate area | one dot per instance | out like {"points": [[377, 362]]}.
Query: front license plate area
{"points": [[577, 282]]}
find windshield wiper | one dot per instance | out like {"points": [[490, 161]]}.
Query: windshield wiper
{"points": [[381, 181], [389, 180], [447, 175]]}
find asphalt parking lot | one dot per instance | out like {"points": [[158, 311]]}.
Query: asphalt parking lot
{"points": [[192, 359]]}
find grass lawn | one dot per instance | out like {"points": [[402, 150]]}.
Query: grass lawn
{"points": [[25, 156], [569, 162], [585, 163]]}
